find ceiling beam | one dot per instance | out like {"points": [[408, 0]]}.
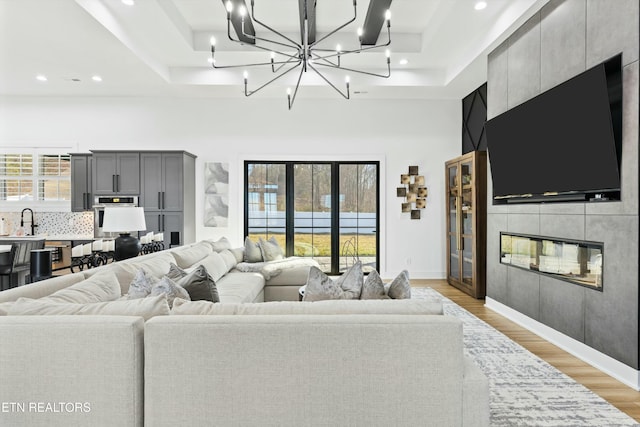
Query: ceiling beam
{"points": [[236, 21], [308, 10], [373, 21]]}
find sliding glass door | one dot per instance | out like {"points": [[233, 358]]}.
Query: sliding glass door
{"points": [[324, 210]]}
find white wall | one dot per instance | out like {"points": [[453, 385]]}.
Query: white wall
{"points": [[399, 133]]}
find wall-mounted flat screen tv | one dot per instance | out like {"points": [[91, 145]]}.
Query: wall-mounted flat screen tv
{"points": [[563, 145]]}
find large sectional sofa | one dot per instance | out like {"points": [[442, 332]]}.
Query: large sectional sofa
{"points": [[257, 358]]}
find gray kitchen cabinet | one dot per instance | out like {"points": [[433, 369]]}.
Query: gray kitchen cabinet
{"points": [[81, 199], [167, 181], [116, 173]]}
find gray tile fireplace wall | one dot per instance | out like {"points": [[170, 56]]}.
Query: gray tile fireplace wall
{"points": [[562, 40]]}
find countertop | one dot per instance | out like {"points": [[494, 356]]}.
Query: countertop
{"points": [[64, 237]]}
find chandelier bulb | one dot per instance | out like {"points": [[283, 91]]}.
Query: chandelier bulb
{"points": [[212, 40], [347, 80], [273, 55], [360, 32], [387, 15], [288, 91], [245, 75], [387, 53], [338, 48], [229, 6], [243, 11]]}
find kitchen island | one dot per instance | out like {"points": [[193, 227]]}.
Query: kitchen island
{"points": [[22, 262]]}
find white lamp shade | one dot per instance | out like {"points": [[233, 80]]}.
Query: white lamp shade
{"points": [[123, 219]]}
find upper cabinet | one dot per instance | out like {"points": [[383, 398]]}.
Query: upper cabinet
{"points": [[116, 173], [162, 181], [81, 182]]}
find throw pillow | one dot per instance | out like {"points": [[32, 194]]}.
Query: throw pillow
{"points": [[270, 249], [373, 287], [400, 288], [200, 285], [171, 289], [140, 286], [229, 258], [175, 272], [100, 287], [144, 307], [220, 245], [322, 287], [252, 251]]}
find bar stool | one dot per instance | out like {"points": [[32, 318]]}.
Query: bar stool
{"points": [[6, 267]]}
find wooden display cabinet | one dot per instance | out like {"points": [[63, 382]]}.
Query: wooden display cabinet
{"points": [[466, 193]]}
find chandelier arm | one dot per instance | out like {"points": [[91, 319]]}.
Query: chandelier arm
{"points": [[360, 71], [256, 38], [275, 70], [291, 100], [323, 58], [249, 93], [355, 15], [347, 52], [344, 95], [253, 16]]}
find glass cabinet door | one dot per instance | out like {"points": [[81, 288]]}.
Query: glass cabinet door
{"points": [[453, 219]]}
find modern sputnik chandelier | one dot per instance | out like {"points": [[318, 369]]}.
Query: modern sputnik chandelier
{"points": [[287, 55]]}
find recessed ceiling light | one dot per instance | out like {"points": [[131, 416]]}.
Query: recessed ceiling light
{"points": [[404, 61], [41, 78], [128, 2], [96, 78], [480, 5]]}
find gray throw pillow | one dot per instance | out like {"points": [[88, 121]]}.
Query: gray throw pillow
{"points": [[322, 287], [200, 285], [400, 288], [252, 252], [169, 288], [141, 285], [270, 249], [175, 273], [373, 287]]}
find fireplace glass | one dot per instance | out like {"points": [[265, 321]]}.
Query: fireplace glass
{"points": [[579, 262]]}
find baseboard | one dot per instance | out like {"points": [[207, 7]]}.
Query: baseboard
{"points": [[598, 360]]}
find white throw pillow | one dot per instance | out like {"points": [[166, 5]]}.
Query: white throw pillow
{"points": [[141, 285], [171, 289], [270, 249]]}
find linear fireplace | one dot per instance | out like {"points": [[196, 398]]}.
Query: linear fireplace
{"points": [[575, 261]]}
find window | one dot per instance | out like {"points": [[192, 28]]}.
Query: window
{"points": [[35, 178], [324, 210]]}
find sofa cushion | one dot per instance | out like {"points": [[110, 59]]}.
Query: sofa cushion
{"points": [[373, 287], [229, 258], [188, 256], [322, 287], [270, 249], [426, 306], [240, 287], [198, 283], [41, 288], [144, 307], [296, 276], [215, 265], [252, 252], [98, 288], [238, 253], [400, 288]]}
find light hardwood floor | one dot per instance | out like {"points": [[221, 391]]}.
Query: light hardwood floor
{"points": [[618, 394]]}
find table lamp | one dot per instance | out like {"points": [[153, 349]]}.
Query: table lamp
{"points": [[124, 220]]}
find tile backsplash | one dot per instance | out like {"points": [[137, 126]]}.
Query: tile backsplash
{"points": [[51, 223]]}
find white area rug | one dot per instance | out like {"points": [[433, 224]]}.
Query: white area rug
{"points": [[526, 390]]}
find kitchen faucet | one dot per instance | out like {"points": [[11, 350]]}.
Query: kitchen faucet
{"points": [[33, 221]]}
